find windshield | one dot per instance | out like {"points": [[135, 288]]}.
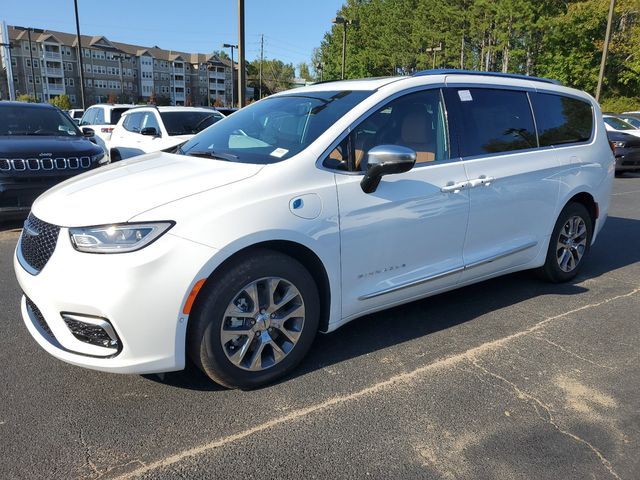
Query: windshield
{"points": [[618, 124], [189, 123], [18, 120], [274, 129], [633, 121]]}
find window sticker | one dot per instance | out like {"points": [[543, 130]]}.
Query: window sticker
{"points": [[279, 152], [465, 96]]}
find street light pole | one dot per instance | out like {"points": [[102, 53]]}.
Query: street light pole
{"points": [[231, 46], [605, 49], [344, 22], [33, 72], [79, 54], [241, 71], [434, 50], [119, 57]]}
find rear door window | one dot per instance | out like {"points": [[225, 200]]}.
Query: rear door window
{"points": [[116, 113], [561, 119], [491, 121]]}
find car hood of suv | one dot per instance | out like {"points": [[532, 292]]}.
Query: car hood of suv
{"points": [[122, 190], [32, 146]]}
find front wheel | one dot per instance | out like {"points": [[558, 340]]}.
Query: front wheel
{"points": [[256, 321], [569, 244]]}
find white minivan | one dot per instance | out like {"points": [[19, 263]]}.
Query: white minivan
{"points": [[306, 210]]}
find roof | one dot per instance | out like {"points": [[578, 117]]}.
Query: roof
{"points": [[453, 71], [6, 103], [339, 85], [103, 43]]}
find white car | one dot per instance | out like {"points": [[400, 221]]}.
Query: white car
{"points": [[102, 119], [76, 114], [306, 210], [151, 129], [615, 124]]}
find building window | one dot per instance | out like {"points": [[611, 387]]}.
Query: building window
{"points": [[71, 82], [37, 80], [36, 64], [27, 63], [14, 61], [30, 79], [72, 98]]}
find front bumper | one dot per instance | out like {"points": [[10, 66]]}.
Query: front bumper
{"points": [[18, 194], [140, 293], [628, 160]]}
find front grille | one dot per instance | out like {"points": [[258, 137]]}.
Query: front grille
{"points": [[38, 241], [39, 317], [44, 164]]}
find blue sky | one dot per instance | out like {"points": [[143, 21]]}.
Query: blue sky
{"points": [[292, 28]]}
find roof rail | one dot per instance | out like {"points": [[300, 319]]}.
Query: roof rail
{"points": [[151, 105], [453, 71]]}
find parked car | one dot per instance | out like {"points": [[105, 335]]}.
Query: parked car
{"points": [[39, 147], [151, 129], [615, 124], [626, 149], [308, 209], [631, 119], [102, 119], [76, 114]]}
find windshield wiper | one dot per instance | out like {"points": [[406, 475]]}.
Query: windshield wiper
{"points": [[211, 154]]}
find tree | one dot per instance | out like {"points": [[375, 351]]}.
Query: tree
{"points": [[62, 102], [303, 69], [26, 98], [152, 98], [163, 101], [112, 98]]}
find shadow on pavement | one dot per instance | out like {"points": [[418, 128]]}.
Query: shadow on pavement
{"points": [[400, 324]]}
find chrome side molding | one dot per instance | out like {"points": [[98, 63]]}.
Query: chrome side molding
{"points": [[446, 273]]}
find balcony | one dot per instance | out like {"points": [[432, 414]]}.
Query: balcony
{"points": [[55, 87], [178, 83], [52, 55], [178, 70], [53, 72]]}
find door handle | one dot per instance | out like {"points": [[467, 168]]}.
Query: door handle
{"points": [[480, 181], [453, 187]]}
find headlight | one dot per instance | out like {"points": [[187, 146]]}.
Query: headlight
{"points": [[619, 144], [100, 159], [120, 238]]}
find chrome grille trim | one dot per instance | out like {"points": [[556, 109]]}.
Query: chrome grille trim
{"points": [[47, 164]]}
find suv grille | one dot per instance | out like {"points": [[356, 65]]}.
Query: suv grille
{"points": [[39, 317], [38, 241], [44, 164]]}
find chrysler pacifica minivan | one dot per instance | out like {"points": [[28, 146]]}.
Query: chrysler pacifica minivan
{"points": [[309, 209]]}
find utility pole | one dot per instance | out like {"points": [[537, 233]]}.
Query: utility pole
{"points": [[261, 60], [6, 44], [79, 54], [33, 72], [605, 49], [229, 45], [434, 50], [242, 80]]}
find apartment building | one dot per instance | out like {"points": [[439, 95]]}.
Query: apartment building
{"points": [[45, 64]]}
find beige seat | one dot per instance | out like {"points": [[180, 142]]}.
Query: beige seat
{"points": [[417, 133]]}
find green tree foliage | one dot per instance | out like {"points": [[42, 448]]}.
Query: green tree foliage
{"points": [[61, 101], [276, 76], [558, 39]]}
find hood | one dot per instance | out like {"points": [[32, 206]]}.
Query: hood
{"points": [[630, 140], [122, 190], [24, 146]]}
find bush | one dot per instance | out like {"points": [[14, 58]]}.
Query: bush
{"points": [[61, 101], [620, 104], [26, 98]]}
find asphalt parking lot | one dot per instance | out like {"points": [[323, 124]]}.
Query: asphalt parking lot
{"points": [[511, 378]]}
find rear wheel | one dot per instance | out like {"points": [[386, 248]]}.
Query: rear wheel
{"points": [[255, 322], [569, 244]]}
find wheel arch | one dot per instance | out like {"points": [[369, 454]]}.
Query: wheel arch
{"points": [[303, 254], [587, 200]]}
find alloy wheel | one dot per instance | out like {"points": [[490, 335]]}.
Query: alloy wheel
{"points": [[572, 243], [262, 324]]}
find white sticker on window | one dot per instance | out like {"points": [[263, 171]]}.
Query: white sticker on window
{"points": [[465, 96], [279, 152]]}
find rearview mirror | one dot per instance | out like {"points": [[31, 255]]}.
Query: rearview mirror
{"points": [[151, 131], [386, 160], [88, 132]]}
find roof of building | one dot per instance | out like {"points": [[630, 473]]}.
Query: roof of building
{"points": [[103, 43]]}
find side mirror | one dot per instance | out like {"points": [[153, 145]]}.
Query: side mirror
{"points": [[151, 131], [88, 132], [386, 160]]}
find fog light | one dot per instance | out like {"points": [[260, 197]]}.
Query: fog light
{"points": [[92, 330]]}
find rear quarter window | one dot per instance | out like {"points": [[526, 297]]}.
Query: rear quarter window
{"points": [[562, 119], [492, 121]]}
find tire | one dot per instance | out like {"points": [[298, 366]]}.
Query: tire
{"points": [[115, 156], [619, 174], [559, 267], [230, 293]]}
